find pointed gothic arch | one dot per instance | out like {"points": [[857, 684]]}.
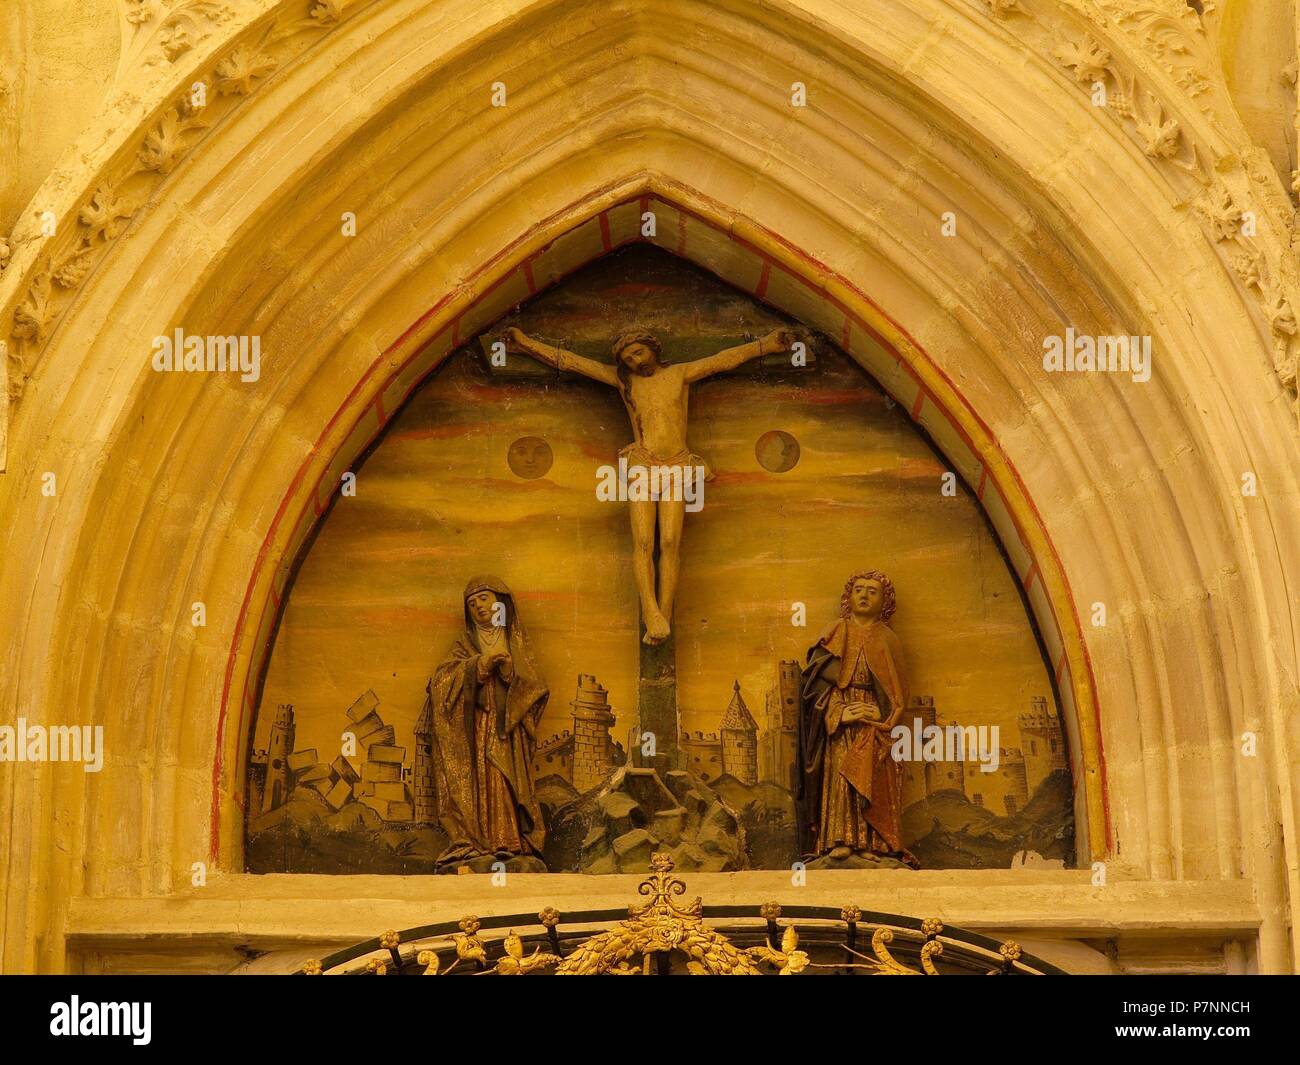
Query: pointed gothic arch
{"points": [[178, 490]]}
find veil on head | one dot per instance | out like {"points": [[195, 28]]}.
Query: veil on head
{"points": [[499, 588]]}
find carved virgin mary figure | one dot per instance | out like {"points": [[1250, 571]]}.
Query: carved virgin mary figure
{"points": [[484, 700], [854, 691]]}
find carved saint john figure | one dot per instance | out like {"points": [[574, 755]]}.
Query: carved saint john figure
{"points": [[854, 692], [655, 395], [483, 703]]}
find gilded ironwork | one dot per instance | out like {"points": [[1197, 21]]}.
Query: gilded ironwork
{"points": [[660, 927], [666, 925]]}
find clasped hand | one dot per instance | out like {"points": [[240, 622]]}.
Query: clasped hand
{"points": [[860, 713], [501, 662]]}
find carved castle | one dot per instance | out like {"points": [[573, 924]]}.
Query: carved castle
{"points": [[779, 745], [1005, 791], [1020, 770], [731, 751], [587, 755], [381, 781]]}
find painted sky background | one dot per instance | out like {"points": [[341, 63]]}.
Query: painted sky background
{"points": [[377, 600]]}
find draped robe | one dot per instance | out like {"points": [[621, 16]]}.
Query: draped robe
{"points": [[484, 733], [850, 787]]}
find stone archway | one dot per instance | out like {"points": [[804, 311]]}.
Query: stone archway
{"points": [[227, 221], [695, 229]]}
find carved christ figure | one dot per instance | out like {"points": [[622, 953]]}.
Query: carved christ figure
{"points": [[655, 395]]}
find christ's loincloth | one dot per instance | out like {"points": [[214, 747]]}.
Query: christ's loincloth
{"points": [[685, 460]]}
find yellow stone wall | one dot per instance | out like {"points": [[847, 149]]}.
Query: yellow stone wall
{"points": [[58, 60], [1130, 218]]}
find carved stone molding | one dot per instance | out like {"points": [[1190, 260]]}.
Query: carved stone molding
{"points": [[663, 931], [1154, 65], [164, 30], [1155, 58]]}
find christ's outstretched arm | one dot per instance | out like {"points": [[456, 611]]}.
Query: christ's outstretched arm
{"points": [[518, 340], [778, 340]]}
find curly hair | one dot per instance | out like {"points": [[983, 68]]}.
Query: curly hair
{"points": [[886, 586]]}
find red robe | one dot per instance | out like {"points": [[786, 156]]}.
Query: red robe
{"points": [[850, 790]]}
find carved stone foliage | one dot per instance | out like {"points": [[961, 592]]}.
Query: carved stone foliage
{"points": [[170, 28], [139, 12], [163, 31], [1135, 49], [1142, 111], [1003, 8], [168, 141], [327, 12], [1173, 33], [1172, 36], [236, 73], [1086, 59], [100, 221], [33, 316]]}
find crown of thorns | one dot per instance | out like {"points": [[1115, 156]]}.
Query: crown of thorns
{"points": [[636, 336]]}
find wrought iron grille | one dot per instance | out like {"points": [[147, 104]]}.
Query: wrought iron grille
{"points": [[663, 937]]}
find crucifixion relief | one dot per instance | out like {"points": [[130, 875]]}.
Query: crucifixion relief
{"points": [[656, 396]]}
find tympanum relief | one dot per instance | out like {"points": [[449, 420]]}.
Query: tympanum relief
{"points": [[527, 643]]}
